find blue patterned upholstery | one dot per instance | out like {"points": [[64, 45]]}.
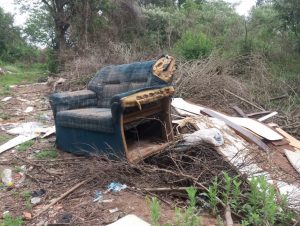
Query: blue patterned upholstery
{"points": [[95, 119], [90, 119]]}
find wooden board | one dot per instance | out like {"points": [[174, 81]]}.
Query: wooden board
{"points": [[243, 132], [16, 141], [294, 159], [250, 124], [293, 141]]}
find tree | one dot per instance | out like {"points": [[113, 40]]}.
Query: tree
{"points": [[289, 13]]}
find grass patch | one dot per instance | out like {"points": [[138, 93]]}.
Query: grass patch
{"points": [[24, 146], [20, 74], [46, 154], [26, 195], [4, 137], [10, 221]]}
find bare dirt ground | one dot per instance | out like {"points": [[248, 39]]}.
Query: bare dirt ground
{"points": [[57, 175]]}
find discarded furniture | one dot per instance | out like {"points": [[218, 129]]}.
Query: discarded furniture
{"points": [[124, 112]]}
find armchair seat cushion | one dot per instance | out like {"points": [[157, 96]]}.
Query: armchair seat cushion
{"points": [[95, 119]]}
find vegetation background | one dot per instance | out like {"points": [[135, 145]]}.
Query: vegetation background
{"points": [[255, 57]]}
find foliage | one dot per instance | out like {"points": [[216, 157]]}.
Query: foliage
{"points": [[185, 217], [193, 46], [259, 205], [8, 220]]}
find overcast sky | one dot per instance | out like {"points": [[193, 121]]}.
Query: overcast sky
{"points": [[8, 5]]}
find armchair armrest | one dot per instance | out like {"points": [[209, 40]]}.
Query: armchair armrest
{"points": [[72, 100], [142, 96], [138, 97]]}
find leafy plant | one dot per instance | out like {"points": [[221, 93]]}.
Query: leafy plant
{"points": [[188, 216], [193, 46], [8, 220], [153, 204], [213, 195]]}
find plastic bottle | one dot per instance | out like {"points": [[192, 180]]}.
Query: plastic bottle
{"points": [[7, 177]]}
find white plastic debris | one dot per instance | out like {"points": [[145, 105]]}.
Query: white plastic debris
{"points": [[28, 109], [113, 210], [6, 99], [7, 177], [211, 136], [130, 220]]}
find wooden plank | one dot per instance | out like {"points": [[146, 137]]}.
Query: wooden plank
{"points": [[293, 141], [16, 141], [239, 111], [258, 113], [250, 124], [240, 130], [267, 116], [294, 159]]}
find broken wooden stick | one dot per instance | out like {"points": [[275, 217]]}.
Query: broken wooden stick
{"points": [[54, 201], [241, 98], [168, 189], [239, 111], [228, 217]]}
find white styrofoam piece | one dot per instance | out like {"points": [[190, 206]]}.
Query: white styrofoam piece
{"points": [[256, 127], [16, 141], [294, 159], [130, 220]]}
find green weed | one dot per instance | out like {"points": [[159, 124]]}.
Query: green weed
{"points": [[8, 220], [24, 146], [184, 217], [4, 137], [46, 154], [26, 195]]}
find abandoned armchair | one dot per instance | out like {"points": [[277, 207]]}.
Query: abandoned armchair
{"points": [[125, 111]]}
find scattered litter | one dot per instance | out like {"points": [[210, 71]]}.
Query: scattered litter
{"points": [[116, 187], [27, 215], [6, 99], [107, 200], [7, 177], [130, 220], [28, 128], [5, 212], [98, 196], [45, 117], [35, 200], [113, 210], [28, 109], [211, 136], [21, 178], [38, 193]]}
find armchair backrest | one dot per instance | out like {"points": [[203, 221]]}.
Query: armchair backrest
{"points": [[116, 79]]}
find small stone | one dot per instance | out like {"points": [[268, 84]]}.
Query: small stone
{"points": [[27, 215], [35, 200]]}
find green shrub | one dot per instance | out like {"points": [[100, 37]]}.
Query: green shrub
{"points": [[193, 46], [8, 220]]}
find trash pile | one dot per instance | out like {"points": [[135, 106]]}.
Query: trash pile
{"points": [[252, 147]]}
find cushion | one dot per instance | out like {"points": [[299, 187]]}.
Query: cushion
{"points": [[95, 119]]}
